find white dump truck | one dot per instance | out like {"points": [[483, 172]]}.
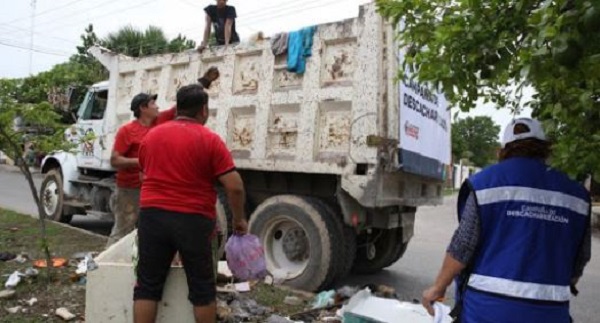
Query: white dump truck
{"points": [[335, 161]]}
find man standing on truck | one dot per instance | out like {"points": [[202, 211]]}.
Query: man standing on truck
{"points": [[221, 17], [523, 239], [124, 156], [181, 162]]}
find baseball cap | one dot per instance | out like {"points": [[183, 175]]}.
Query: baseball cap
{"points": [[142, 99], [533, 130]]}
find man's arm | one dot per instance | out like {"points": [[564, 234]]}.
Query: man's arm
{"points": [[121, 146], [234, 187], [231, 15], [460, 252], [208, 24], [228, 27], [119, 161]]}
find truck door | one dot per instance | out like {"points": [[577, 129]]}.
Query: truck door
{"points": [[90, 129]]}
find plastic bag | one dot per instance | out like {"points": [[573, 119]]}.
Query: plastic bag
{"points": [[246, 257]]}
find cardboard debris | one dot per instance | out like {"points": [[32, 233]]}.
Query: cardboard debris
{"points": [[64, 314], [5, 294], [14, 310], [13, 280], [366, 308], [242, 287]]}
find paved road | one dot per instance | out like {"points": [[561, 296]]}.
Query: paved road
{"points": [[414, 272], [16, 195]]}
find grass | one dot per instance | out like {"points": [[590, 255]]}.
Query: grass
{"points": [[21, 234]]}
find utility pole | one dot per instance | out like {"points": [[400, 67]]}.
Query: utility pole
{"points": [[33, 4]]}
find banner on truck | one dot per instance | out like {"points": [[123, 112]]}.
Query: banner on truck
{"points": [[425, 144]]}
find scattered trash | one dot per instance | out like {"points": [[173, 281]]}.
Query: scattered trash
{"points": [[22, 258], [442, 312], [13, 280], [383, 291], [223, 311], [7, 256], [364, 307], [293, 301], [87, 264], [223, 269], [269, 280], [278, 319], [64, 314], [242, 287], [56, 262], [324, 299], [7, 293], [243, 309], [346, 293], [245, 257], [14, 310], [31, 302], [31, 272], [14, 229]]}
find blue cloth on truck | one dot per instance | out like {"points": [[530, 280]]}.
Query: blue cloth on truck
{"points": [[299, 48]]}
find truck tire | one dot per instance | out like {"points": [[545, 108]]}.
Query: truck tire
{"points": [[377, 250], [52, 197], [300, 239], [399, 249], [348, 241]]}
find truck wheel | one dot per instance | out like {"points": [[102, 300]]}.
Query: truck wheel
{"points": [[377, 250], [399, 249], [348, 239], [52, 197], [300, 239]]}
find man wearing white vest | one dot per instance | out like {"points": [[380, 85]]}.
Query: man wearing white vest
{"points": [[523, 239]]}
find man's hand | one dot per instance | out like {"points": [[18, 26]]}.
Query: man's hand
{"points": [[431, 295], [240, 226], [201, 48], [176, 260], [212, 74]]}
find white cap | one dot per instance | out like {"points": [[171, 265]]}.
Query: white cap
{"points": [[534, 126]]}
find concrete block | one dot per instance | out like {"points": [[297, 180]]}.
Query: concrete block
{"points": [[109, 292]]}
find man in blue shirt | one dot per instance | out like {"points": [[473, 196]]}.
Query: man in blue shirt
{"points": [[523, 239]]}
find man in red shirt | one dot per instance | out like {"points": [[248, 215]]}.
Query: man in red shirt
{"points": [[125, 153], [125, 159], [182, 161]]}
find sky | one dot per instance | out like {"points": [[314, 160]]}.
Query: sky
{"points": [[59, 24]]}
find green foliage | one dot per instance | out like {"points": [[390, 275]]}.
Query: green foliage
{"points": [[476, 49], [41, 125], [136, 43], [475, 139]]}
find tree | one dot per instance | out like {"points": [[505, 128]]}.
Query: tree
{"points": [[474, 49], [42, 129], [476, 139], [136, 43]]}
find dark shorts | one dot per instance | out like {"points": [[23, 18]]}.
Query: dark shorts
{"points": [[161, 234]]}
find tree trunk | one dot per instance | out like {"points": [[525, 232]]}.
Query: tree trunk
{"points": [[18, 158]]}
